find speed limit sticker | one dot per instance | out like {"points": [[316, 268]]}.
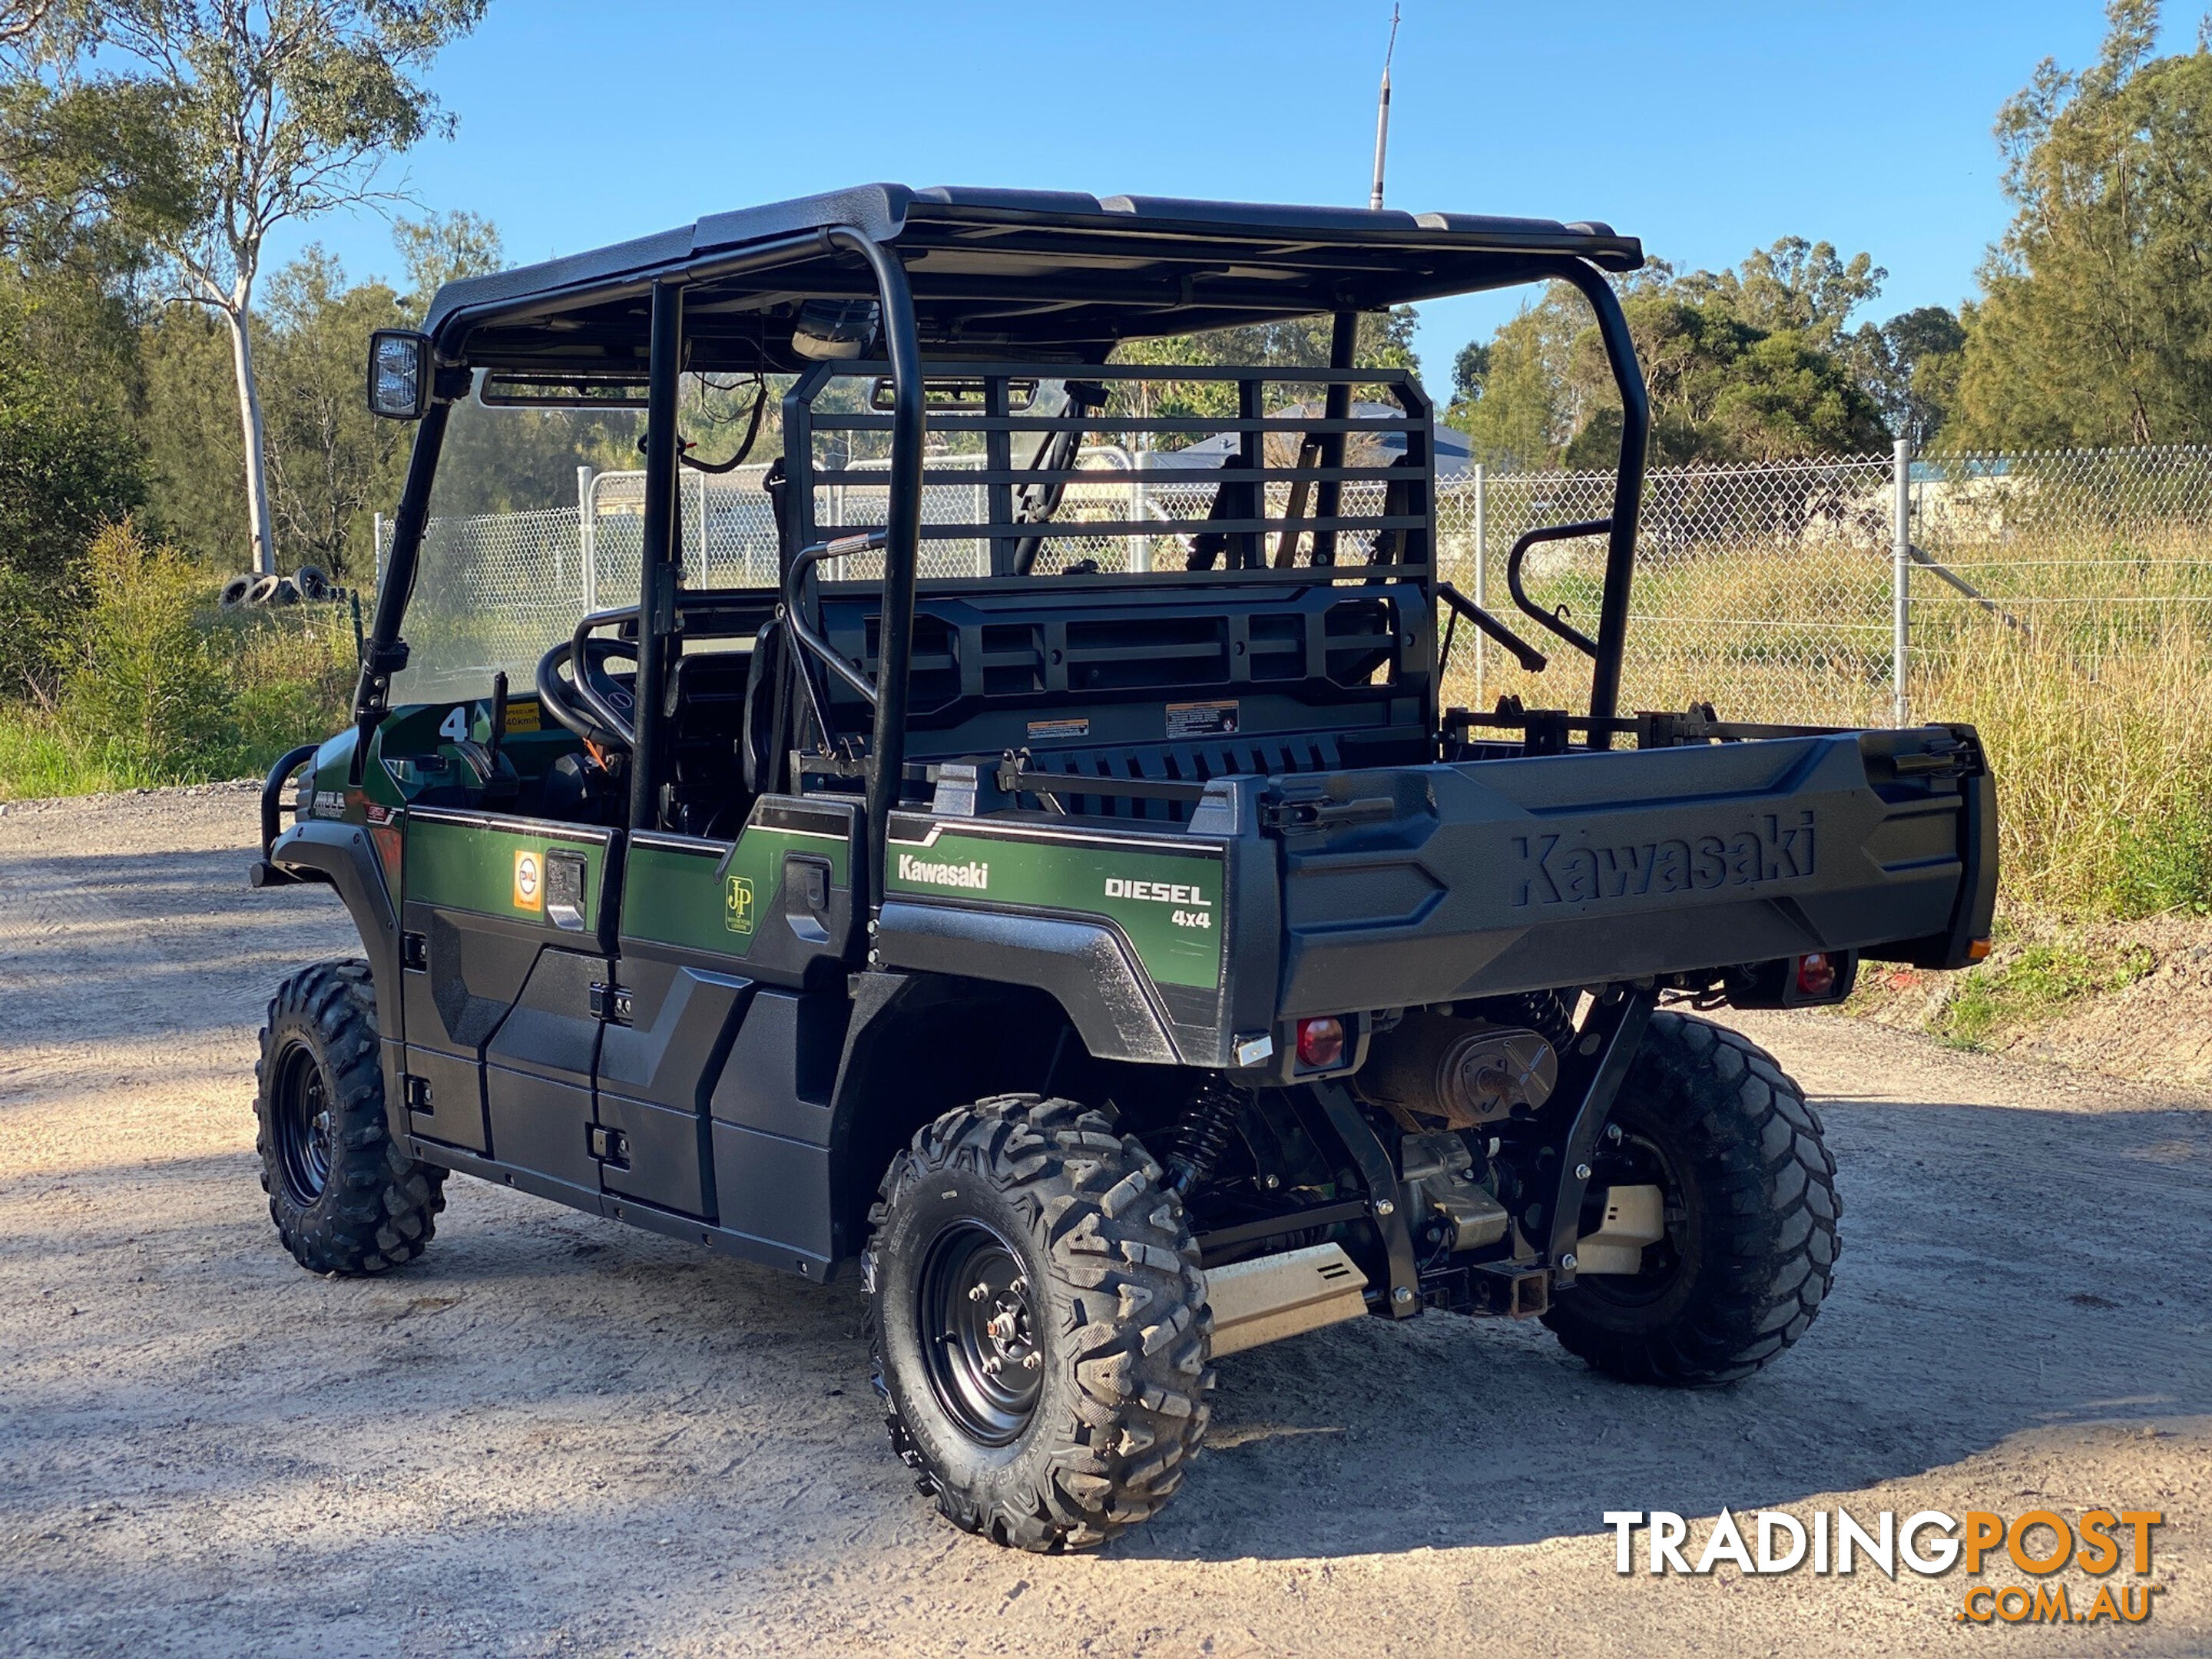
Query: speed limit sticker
{"points": [[529, 881]]}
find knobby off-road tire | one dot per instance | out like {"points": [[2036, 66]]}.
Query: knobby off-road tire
{"points": [[1751, 1208], [345, 1198], [1095, 1436]]}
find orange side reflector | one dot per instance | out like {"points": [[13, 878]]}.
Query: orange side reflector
{"points": [[386, 838], [1977, 949]]}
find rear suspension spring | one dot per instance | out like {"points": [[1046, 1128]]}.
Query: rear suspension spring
{"points": [[1201, 1136]]}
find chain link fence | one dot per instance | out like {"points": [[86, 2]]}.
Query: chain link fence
{"points": [[1770, 591], [2099, 550], [1764, 589]]}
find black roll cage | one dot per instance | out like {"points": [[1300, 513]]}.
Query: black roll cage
{"points": [[385, 653]]}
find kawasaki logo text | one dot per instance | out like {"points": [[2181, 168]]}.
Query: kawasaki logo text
{"points": [[911, 868], [1779, 849]]}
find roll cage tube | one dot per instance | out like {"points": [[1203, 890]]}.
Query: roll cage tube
{"points": [[886, 760], [1627, 491], [1335, 406], [902, 547], [386, 654], [656, 603]]}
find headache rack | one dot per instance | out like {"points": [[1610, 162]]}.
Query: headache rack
{"points": [[1281, 490], [1101, 605]]}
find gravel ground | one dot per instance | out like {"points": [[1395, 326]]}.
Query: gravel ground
{"points": [[558, 1435]]}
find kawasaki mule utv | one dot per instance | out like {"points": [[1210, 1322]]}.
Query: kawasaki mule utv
{"points": [[1083, 923]]}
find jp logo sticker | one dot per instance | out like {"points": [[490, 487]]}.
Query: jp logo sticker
{"points": [[529, 881], [737, 906]]}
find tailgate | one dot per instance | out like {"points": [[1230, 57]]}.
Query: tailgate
{"points": [[1490, 876]]}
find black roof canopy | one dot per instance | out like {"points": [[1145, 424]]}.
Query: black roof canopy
{"points": [[1044, 274]]}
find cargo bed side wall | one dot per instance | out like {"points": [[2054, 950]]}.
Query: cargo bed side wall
{"points": [[1577, 869]]}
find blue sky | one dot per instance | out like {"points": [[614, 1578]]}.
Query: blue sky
{"points": [[1706, 129]]}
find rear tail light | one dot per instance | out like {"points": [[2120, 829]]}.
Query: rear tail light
{"points": [[1816, 975], [1320, 1042]]}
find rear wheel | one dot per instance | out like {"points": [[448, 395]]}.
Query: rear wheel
{"points": [[1750, 1248], [1037, 1322], [346, 1198]]}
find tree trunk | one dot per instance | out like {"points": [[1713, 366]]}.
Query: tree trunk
{"points": [[249, 415]]}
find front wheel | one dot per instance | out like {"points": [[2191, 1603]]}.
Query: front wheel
{"points": [[1037, 1322], [1750, 1246], [346, 1198]]}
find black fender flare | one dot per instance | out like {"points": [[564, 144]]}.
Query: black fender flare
{"points": [[885, 1090], [1085, 966], [341, 854]]}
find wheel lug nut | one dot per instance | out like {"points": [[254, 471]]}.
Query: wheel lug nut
{"points": [[1031, 1361], [993, 1365], [1020, 1287], [977, 1292]]}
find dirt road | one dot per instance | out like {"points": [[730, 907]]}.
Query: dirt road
{"points": [[557, 1435]]}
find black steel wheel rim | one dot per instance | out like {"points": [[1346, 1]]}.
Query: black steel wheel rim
{"points": [[981, 1335], [302, 1121]]}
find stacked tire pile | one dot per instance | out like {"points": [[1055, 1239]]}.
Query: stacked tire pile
{"points": [[269, 592]]}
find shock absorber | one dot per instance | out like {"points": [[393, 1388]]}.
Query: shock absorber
{"points": [[1202, 1135]]}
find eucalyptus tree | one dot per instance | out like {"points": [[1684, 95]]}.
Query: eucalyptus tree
{"points": [[278, 111]]}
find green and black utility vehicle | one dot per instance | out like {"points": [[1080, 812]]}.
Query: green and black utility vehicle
{"points": [[1084, 924]]}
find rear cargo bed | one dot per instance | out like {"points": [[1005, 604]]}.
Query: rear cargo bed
{"points": [[1496, 876]]}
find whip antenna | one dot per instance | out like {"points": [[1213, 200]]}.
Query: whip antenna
{"points": [[1383, 113]]}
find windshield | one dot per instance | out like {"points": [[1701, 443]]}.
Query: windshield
{"points": [[538, 516]]}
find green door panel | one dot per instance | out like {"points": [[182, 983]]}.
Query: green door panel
{"points": [[496, 866], [704, 895], [1166, 900]]}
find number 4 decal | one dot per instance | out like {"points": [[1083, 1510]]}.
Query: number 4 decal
{"points": [[455, 725]]}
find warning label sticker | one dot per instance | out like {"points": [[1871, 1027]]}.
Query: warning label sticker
{"points": [[1058, 731], [529, 881], [1201, 719]]}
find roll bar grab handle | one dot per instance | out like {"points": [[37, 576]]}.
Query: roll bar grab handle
{"points": [[1554, 620], [794, 608]]}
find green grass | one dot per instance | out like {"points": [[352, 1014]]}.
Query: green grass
{"points": [[163, 689], [2034, 987], [38, 757], [41, 756]]}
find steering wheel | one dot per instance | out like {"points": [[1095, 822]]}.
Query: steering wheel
{"points": [[594, 706]]}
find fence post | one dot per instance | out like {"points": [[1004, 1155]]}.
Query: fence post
{"points": [[1900, 584], [376, 548], [1482, 575], [587, 538]]}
